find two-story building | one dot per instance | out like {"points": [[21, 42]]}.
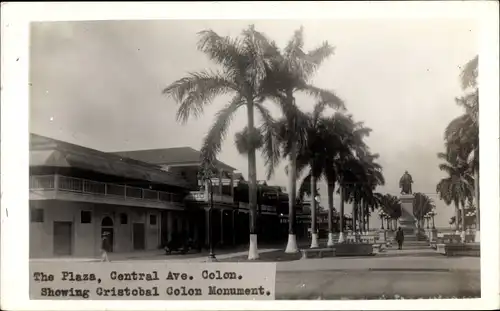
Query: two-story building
{"points": [[78, 193]]}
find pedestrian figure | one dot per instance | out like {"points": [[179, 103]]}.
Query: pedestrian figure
{"points": [[400, 237], [105, 246]]}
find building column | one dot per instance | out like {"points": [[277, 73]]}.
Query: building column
{"points": [[187, 223], [207, 227], [232, 224], [220, 182], [222, 227], [170, 225]]}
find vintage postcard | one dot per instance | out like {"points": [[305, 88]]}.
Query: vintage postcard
{"points": [[225, 156]]}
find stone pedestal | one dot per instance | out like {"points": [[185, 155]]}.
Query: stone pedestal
{"points": [[407, 221]]}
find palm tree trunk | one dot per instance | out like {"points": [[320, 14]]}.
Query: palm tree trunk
{"points": [[365, 212], [314, 234], [476, 196], [253, 252], [362, 217], [330, 190], [457, 217], [355, 218], [291, 246], [341, 220], [462, 234], [367, 222]]}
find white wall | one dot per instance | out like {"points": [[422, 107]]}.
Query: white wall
{"points": [[86, 237]]}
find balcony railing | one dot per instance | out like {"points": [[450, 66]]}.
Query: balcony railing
{"points": [[78, 185]]}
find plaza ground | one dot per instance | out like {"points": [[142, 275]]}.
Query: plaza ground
{"points": [[410, 273]]}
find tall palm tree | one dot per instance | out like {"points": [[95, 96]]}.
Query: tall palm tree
{"points": [[374, 178], [456, 187], [243, 66], [346, 164], [290, 72], [324, 145], [462, 134], [366, 175]]}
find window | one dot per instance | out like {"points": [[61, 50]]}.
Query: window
{"points": [[85, 217], [36, 215], [123, 219], [152, 220]]}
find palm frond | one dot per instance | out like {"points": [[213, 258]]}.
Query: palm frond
{"points": [[271, 141], [225, 51], [197, 90], [325, 97], [469, 74], [318, 55], [212, 143], [260, 51], [295, 44], [305, 187]]}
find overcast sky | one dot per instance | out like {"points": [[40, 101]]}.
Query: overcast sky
{"points": [[98, 84]]}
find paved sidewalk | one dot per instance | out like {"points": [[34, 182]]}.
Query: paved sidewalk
{"points": [[201, 257], [383, 263], [157, 255]]}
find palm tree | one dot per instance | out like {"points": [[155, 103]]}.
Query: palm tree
{"points": [[324, 145], [462, 134], [366, 175], [374, 178], [422, 205], [456, 187], [289, 72], [391, 206], [346, 166], [243, 65]]}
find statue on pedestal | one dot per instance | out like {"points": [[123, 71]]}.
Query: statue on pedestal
{"points": [[405, 183]]}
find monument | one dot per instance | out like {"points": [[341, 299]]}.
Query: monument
{"points": [[407, 221]]}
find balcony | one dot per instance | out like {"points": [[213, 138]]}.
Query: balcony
{"points": [[63, 187], [204, 196]]}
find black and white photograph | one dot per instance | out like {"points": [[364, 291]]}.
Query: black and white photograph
{"points": [[303, 159]]}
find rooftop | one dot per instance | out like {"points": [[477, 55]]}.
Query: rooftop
{"points": [[45, 151], [169, 156]]}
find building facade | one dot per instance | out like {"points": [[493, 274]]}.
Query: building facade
{"points": [[141, 198], [77, 194]]}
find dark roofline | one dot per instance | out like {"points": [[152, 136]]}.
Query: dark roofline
{"points": [[59, 145], [172, 162], [63, 144]]}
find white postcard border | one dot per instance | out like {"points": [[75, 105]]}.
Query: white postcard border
{"points": [[14, 136]]}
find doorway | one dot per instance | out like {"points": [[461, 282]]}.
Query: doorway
{"points": [[63, 238], [139, 236], [107, 226]]}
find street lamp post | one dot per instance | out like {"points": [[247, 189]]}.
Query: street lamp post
{"points": [[211, 255], [383, 233]]}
